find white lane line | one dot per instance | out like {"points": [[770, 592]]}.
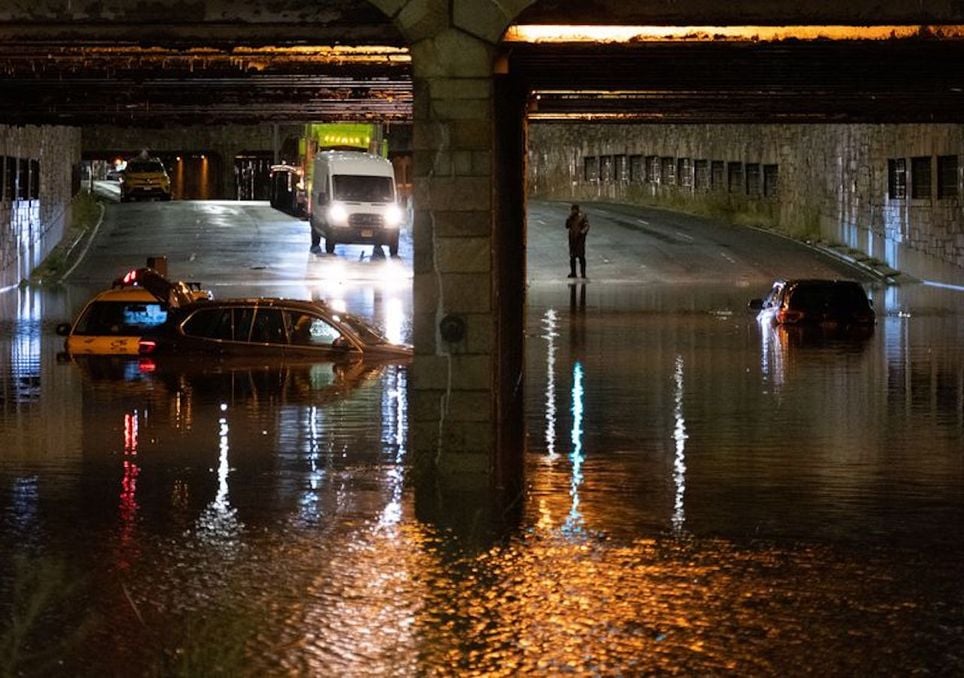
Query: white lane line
{"points": [[644, 223], [946, 286], [684, 236], [728, 257]]}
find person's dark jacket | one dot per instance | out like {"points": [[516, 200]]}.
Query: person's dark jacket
{"points": [[578, 225]]}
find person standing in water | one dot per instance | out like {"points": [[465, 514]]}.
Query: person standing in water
{"points": [[578, 226]]}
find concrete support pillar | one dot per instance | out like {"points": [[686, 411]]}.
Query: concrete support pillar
{"points": [[454, 397], [509, 281], [466, 390]]}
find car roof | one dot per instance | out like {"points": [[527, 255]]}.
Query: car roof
{"points": [[825, 284], [261, 301], [819, 281], [129, 293]]}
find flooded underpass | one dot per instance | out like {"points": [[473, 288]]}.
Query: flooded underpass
{"points": [[738, 500], [705, 496]]}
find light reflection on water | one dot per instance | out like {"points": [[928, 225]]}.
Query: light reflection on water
{"points": [[679, 462], [576, 457], [704, 497]]}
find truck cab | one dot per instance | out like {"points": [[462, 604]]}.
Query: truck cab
{"points": [[353, 201]]}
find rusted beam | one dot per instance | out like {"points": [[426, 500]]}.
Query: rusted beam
{"points": [[901, 81], [130, 85]]}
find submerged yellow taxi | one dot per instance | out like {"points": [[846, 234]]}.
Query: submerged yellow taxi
{"points": [[116, 322], [127, 318]]}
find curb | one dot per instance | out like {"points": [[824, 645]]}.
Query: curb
{"points": [[91, 237], [855, 258], [865, 263]]}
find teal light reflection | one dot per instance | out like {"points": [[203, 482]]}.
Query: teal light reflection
{"points": [[577, 456]]}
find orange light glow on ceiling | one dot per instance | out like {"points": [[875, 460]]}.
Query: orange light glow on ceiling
{"points": [[628, 34]]}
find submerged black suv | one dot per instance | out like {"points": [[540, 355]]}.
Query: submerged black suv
{"points": [[816, 301]]}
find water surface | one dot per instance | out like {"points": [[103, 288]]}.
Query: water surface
{"points": [[704, 496]]}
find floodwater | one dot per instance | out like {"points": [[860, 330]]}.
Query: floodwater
{"points": [[705, 497]]}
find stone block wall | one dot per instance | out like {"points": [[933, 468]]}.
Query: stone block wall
{"points": [[832, 182], [33, 223]]}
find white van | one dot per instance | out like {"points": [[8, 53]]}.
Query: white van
{"points": [[353, 201]]}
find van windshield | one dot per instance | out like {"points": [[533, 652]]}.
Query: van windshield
{"points": [[355, 188]]}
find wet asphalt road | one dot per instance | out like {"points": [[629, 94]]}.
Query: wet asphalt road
{"points": [[251, 247], [230, 245], [645, 245]]}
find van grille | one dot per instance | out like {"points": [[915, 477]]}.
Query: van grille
{"points": [[367, 220]]}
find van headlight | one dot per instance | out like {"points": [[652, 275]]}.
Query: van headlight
{"points": [[393, 216], [338, 215]]}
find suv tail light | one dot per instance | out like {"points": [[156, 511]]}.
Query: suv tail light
{"points": [[785, 315], [146, 346]]}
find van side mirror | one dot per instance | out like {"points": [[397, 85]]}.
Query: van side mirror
{"points": [[63, 329]]}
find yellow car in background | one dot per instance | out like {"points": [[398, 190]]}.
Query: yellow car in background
{"points": [[145, 178]]}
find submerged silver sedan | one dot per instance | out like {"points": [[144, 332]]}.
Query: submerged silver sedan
{"points": [[270, 326]]}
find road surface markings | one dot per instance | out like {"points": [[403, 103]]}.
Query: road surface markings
{"points": [[728, 257], [644, 223], [684, 236]]}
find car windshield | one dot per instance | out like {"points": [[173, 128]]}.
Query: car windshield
{"points": [[122, 318], [363, 330], [144, 166], [817, 296], [357, 188]]}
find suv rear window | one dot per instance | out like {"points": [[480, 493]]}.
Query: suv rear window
{"points": [[122, 318], [144, 166], [817, 296]]}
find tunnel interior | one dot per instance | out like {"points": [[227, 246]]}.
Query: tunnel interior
{"points": [[350, 63]]}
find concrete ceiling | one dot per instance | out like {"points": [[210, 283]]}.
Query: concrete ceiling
{"points": [[917, 80], [187, 62], [165, 63], [154, 86]]}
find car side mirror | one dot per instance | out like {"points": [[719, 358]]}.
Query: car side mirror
{"points": [[755, 305], [63, 329]]}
